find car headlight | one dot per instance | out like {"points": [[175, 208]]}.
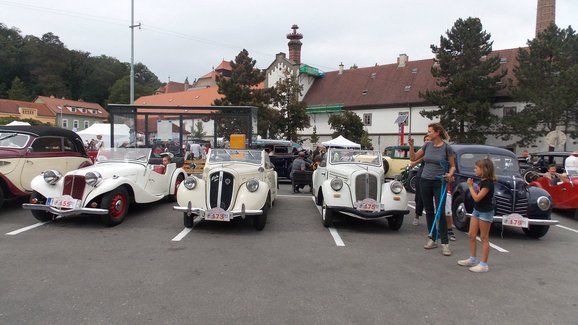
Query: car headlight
{"points": [[544, 203], [336, 184], [190, 183], [51, 176], [92, 178], [396, 187], [252, 185]]}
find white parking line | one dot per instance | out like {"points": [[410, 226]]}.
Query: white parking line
{"points": [[336, 237], [21, 230], [182, 234], [567, 228], [332, 231]]}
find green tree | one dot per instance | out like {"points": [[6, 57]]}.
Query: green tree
{"points": [[293, 112], [10, 56], [314, 137], [348, 125], [120, 91], [18, 90], [241, 89], [468, 77], [547, 80], [197, 131]]}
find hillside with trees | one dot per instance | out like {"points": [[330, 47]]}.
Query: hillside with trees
{"points": [[31, 66]]}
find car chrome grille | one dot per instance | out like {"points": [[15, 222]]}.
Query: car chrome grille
{"points": [[74, 186], [221, 185], [504, 205], [365, 187]]}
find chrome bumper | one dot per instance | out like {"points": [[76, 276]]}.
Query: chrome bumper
{"points": [[537, 222], [64, 213], [189, 210]]}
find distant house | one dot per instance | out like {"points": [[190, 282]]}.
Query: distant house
{"points": [[173, 87], [26, 110], [73, 115], [210, 79]]}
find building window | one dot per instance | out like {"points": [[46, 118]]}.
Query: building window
{"points": [[367, 119], [65, 123], [73, 109], [509, 111], [75, 124], [86, 124]]}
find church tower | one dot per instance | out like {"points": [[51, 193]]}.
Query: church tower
{"points": [[546, 15]]}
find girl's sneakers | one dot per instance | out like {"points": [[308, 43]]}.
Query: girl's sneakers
{"points": [[479, 268], [468, 262]]}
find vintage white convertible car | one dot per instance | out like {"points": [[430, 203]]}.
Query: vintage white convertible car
{"points": [[234, 183], [119, 177], [352, 182]]}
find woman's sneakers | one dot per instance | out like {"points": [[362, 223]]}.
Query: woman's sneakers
{"points": [[446, 250], [430, 244]]}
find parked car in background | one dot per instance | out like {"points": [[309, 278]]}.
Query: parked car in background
{"points": [[564, 193], [408, 177], [119, 177], [281, 153], [235, 184], [516, 203], [351, 182], [395, 159], [26, 151]]}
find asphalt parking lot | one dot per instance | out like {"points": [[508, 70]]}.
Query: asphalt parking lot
{"points": [[148, 270]]}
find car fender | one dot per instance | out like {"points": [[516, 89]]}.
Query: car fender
{"points": [[391, 200], [175, 175], [39, 185], [107, 185], [340, 198], [533, 211], [252, 200], [196, 196]]}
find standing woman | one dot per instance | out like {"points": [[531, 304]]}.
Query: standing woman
{"points": [[434, 153]]}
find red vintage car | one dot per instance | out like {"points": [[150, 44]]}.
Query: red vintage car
{"points": [[564, 194]]}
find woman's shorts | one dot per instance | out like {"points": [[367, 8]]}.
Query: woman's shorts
{"points": [[484, 216]]}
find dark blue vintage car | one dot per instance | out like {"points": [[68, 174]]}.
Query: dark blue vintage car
{"points": [[516, 203]]}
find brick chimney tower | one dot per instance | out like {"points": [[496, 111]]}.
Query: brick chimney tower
{"points": [[546, 15], [295, 45]]}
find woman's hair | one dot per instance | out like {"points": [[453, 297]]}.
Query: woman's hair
{"points": [[487, 167], [440, 129]]}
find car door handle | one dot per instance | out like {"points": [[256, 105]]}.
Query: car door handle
{"points": [[30, 162]]}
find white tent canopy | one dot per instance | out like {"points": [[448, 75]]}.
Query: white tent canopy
{"points": [[341, 142], [121, 133], [17, 123]]}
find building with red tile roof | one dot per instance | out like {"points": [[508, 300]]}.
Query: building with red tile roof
{"points": [[26, 110], [74, 114], [173, 87], [224, 69]]}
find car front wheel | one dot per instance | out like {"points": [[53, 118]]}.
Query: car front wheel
{"points": [[259, 221], [326, 215], [116, 201], [40, 215], [536, 231], [395, 222], [459, 213], [412, 183]]}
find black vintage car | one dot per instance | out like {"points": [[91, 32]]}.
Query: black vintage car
{"points": [[514, 199], [281, 154]]}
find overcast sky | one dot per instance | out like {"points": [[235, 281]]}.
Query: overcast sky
{"points": [[186, 38]]}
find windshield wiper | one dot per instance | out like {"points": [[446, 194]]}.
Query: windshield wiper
{"points": [[8, 136]]}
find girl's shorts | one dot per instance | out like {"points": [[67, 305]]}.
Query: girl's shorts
{"points": [[484, 216]]}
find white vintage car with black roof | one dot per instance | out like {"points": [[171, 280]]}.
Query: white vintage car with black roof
{"points": [[352, 182], [119, 177], [234, 184]]}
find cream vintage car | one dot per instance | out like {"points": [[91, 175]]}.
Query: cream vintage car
{"points": [[352, 182], [234, 184], [119, 177], [27, 151]]}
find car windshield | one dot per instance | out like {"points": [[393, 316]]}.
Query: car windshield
{"points": [[504, 165], [13, 140], [138, 155], [219, 156], [355, 156]]}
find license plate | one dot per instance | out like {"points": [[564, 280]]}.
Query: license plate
{"points": [[515, 220], [63, 202], [370, 205], [217, 215]]}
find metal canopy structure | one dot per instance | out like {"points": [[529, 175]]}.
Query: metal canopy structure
{"points": [[129, 115]]}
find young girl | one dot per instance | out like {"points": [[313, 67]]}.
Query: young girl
{"points": [[482, 216]]}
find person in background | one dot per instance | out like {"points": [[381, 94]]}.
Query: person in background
{"points": [[553, 176], [99, 142], [299, 164], [167, 159], [482, 216], [434, 153]]}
